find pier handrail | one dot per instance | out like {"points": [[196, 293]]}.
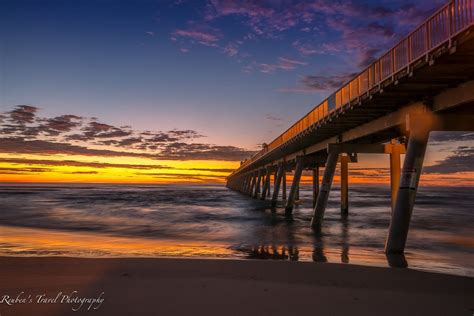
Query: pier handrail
{"points": [[447, 22]]}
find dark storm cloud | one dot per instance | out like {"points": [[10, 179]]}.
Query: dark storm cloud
{"points": [[461, 161]]}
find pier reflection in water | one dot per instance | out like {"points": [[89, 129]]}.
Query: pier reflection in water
{"points": [[322, 251]]}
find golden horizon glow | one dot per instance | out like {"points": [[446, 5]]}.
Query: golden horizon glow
{"points": [[113, 170], [130, 170]]}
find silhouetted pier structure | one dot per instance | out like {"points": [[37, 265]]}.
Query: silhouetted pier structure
{"points": [[424, 83]]}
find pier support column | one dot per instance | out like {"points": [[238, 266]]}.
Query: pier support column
{"points": [[318, 213], [252, 184], [266, 184], [246, 184], [283, 186], [257, 185], [315, 184], [344, 184], [410, 176], [394, 171], [269, 186], [295, 184], [276, 188]]}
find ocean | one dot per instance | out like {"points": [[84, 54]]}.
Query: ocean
{"points": [[211, 221]]}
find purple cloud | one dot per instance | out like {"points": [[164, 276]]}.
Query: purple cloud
{"points": [[319, 83], [203, 37], [282, 64]]}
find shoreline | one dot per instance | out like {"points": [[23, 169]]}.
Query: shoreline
{"points": [[43, 242], [170, 286]]}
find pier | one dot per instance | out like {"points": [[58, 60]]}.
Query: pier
{"points": [[424, 83]]}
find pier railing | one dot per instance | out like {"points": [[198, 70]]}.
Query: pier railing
{"points": [[450, 20]]}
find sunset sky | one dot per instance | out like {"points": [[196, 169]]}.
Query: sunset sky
{"points": [[181, 91]]}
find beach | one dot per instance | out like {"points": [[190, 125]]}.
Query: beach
{"points": [[168, 286]]}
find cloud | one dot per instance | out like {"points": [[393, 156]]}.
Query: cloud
{"points": [[232, 48], [199, 151], [74, 163], [318, 83], [268, 17], [101, 165], [185, 176], [207, 37], [100, 130], [81, 172], [22, 146], [170, 151], [60, 124], [4, 170], [442, 137], [74, 135], [23, 114], [283, 63], [272, 117], [461, 161]]}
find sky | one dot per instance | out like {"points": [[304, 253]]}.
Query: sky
{"points": [[180, 91]]}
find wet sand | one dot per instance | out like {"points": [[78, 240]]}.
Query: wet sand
{"points": [[227, 287]]}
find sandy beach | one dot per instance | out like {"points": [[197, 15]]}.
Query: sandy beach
{"points": [[55, 286]]}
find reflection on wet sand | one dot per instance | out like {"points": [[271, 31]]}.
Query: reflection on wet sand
{"points": [[321, 252], [274, 252]]}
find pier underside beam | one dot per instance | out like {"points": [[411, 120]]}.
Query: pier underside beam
{"points": [[295, 184], [410, 176], [323, 195]]}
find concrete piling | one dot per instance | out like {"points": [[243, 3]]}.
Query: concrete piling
{"points": [[408, 186], [319, 209], [315, 184], [295, 184], [344, 184], [278, 179]]}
